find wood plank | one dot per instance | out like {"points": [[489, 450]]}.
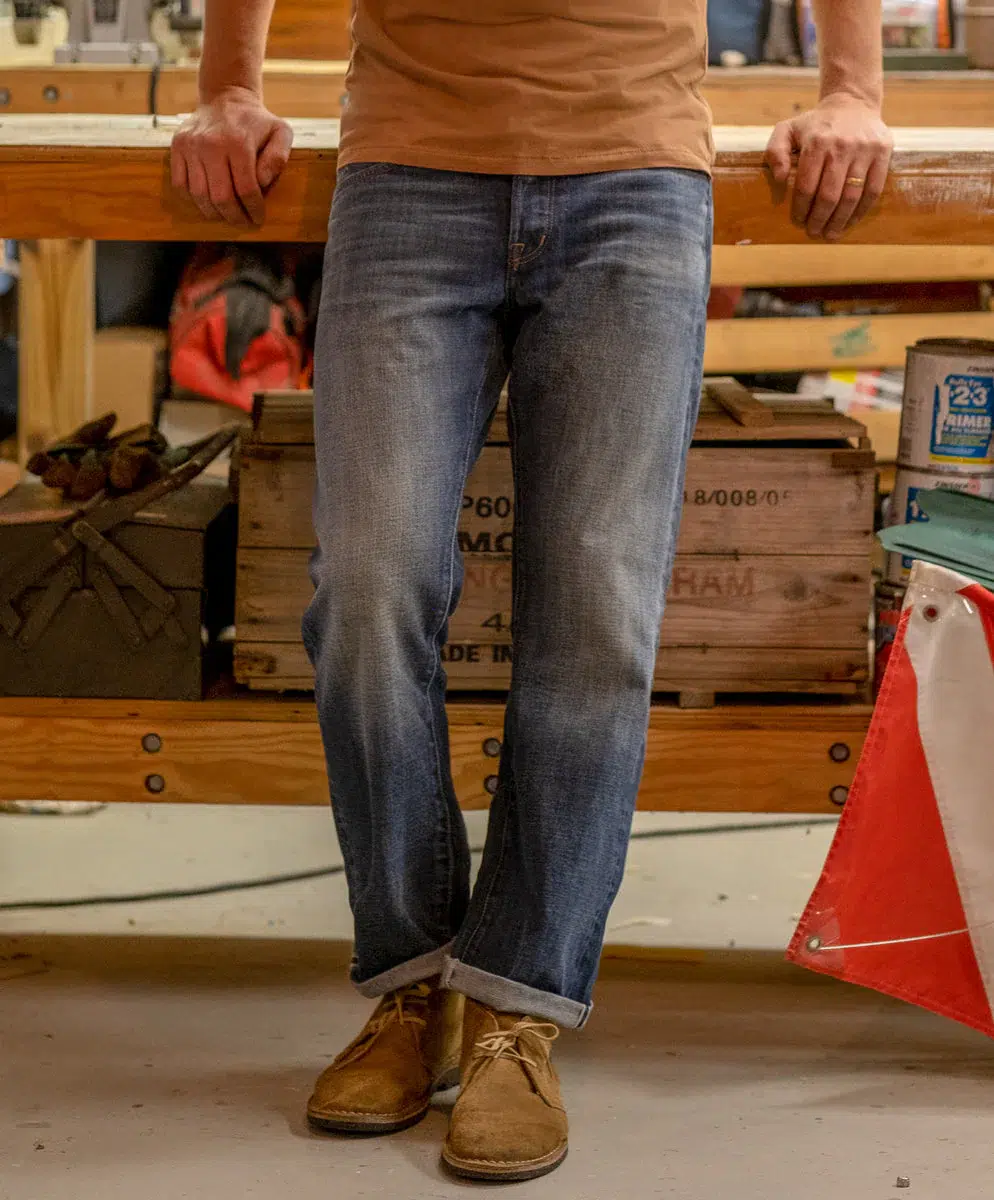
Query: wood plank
{"points": [[107, 177], [740, 404], [819, 263], [291, 88], [736, 600], [765, 95], [80, 88], [284, 666], [55, 319], [726, 759], [762, 501], [287, 418], [283, 417], [795, 419], [830, 343], [301, 85]]}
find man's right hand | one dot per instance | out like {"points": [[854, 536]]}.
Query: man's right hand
{"points": [[228, 154]]}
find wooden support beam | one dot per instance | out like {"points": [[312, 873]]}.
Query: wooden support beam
{"points": [[68, 88], [765, 95], [819, 263], [108, 178], [726, 759], [55, 318], [742, 347], [300, 85], [300, 82], [292, 89]]}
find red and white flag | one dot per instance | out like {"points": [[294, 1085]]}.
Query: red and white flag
{"points": [[905, 903]]}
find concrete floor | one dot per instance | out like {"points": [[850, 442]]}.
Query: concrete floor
{"points": [[168, 1068], [713, 881], [169, 1049]]}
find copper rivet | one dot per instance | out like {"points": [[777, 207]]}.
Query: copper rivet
{"points": [[839, 752], [490, 784], [839, 794], [151, 743], [155, 784]]}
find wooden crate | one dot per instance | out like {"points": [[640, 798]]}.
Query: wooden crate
{"points": [[770, 589]]}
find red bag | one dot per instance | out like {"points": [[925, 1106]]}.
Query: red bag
{"points": [[236, 327]]}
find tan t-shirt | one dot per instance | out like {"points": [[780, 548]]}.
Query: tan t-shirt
{"points": [[528, 87]]}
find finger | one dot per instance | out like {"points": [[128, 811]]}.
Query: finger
{"points": [[876, 179], [247, 185], [853, 188], [830, 188], [806, 182], [778, 151], [274, 155], [199, 188], [177, 168], [222, 190]]}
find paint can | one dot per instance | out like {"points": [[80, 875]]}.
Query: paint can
{"points": [[888, 600], [905, 510], [947, 420]]}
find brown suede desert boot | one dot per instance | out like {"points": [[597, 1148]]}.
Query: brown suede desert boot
{"points": [[383, 1082], [509, 1123]]}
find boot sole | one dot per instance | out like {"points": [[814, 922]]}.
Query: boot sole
{"points": [[487, 1172], [371, 1125]]}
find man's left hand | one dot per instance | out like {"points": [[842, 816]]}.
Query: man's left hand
{"points": [[844, 151]]}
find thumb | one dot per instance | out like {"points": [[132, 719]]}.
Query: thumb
{"points": [[778, 151], [274, 155]]}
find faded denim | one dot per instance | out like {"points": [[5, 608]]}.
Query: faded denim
{"points": [[590, 290]]}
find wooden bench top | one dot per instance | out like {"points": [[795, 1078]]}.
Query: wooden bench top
{"points": [[106, 177]]}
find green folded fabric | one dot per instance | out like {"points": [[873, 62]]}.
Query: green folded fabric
{"points": [[956, 531]]}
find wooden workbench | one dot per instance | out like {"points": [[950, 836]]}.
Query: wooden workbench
{"points": [[84, 180], [103, 177], [115, 169]]}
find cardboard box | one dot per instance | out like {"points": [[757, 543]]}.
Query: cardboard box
{"points": [[883, 427], [128, 363]]}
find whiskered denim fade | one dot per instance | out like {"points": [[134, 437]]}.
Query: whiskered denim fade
{"points": [[589, 292]]}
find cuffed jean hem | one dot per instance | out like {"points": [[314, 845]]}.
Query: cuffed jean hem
{"points": [[412, 971], [507, 996]]}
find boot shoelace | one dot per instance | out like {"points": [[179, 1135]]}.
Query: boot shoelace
{"points": [[406, 1006], [506, 1043]]}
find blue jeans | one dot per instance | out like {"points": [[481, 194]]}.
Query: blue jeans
{"points": [[590, 290]]}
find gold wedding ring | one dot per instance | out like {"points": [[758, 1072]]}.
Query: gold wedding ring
{"points": [[855, 181]]}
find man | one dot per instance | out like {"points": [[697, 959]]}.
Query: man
{"points": [[523, 190]]}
